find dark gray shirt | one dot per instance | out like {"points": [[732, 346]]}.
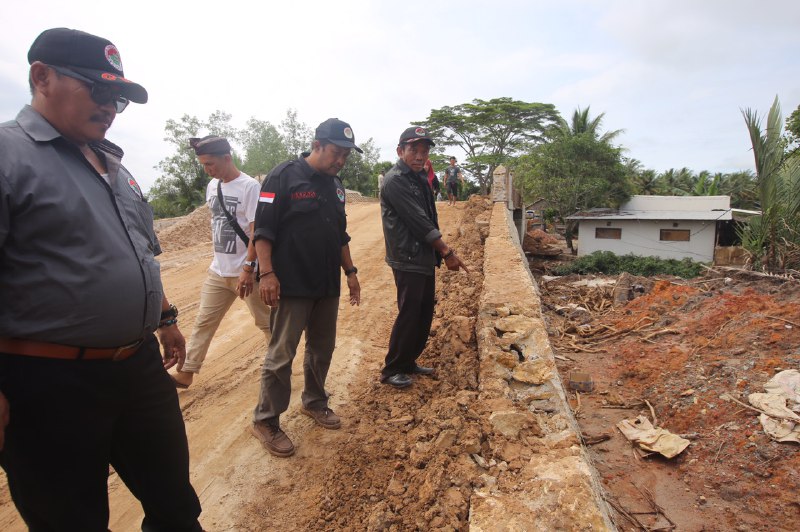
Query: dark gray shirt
{"points": [[451, 174], [77, 256]]}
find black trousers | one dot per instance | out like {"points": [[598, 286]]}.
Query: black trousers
{"points": [[415, 301], [70, 419]]}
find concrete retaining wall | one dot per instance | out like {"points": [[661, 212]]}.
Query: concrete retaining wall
{"points": [[540, 478]]}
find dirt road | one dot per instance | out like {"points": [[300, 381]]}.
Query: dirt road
{"points": [[241, 487]]}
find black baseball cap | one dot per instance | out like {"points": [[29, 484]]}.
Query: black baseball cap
{"points": [[91, 56], [337, 132], [413, 134]]}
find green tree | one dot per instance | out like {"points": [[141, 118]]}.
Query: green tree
{"points": [[677, 182], [646, 183], [489, 132], [359, 172], [296, 135], [742, 188], [793, 130], [582, 124], [773, 239], [705, 184], [182, 184], [264, 147], [574, 172]]}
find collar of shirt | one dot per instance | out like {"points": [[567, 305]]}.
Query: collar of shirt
{"points": [[405, 169], [40, 130], [307, 168]]}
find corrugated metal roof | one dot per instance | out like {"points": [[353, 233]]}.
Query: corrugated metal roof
{"points": [[606, 214]]}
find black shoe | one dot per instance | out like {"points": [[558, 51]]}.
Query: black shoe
{"points": [[421, 370], [398, 380]]}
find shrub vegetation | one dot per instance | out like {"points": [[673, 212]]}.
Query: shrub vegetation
{"points": [[608, 263]]}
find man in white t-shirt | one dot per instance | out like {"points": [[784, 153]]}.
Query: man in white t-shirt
{"points": [[232, 271]]}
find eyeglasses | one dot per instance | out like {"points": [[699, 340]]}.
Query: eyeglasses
{"points": [[100, 93]]}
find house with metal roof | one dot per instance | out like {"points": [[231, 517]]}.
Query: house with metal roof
{"points": [[668, 227]]}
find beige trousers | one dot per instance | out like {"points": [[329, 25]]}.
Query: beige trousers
{"points": [[216, 297]]}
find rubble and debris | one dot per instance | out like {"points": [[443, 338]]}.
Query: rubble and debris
{"points": [[778, 406], [653, 439]]}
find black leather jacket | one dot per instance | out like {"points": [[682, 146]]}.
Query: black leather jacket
{"points": [[410, 222]]}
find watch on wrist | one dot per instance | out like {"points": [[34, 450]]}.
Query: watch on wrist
{"points": [[250, 263], [348, 271], [170, 313]]}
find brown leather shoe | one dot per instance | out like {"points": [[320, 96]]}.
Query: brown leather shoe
{"points": [[273, 439], [323, 417]]}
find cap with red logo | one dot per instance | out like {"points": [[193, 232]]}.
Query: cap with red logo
{"points": [[413, 134], [92, 57], [337, 132]]}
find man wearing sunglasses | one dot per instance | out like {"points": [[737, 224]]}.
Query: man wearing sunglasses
{"points": [[82, 381]]}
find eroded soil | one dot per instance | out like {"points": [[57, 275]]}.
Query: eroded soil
{"points": [[680, 345]]}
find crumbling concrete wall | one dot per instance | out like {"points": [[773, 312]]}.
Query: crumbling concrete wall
{"points": [[539, 477]]}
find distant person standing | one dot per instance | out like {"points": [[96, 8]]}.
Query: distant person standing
{"points": [[433, 181], [82, 382], [232, 197], [302, 244], [380, 183], [414, 249], [453, 177]]}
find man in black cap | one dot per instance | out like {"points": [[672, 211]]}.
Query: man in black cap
{"points": [[82, 382], [302, 243], [232, 197], [414, 248]]}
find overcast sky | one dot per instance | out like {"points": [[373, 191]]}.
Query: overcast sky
{"points": [[673, 74]]}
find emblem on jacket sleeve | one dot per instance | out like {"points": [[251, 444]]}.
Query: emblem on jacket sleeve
{"points": [[266, 197], [135, 187]]}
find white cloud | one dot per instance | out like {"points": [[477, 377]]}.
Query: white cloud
{"points": [[673, 74]]}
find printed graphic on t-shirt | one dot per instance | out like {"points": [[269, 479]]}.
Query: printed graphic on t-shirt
{"points": [[224, 235], [452, 173]]}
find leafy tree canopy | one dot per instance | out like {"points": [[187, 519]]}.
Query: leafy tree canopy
{"points": [[574, 172], [182, 185], [490, 132]]}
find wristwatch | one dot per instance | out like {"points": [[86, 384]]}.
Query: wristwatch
{"points": [[171, 312], [250, 263], [348, 271]]}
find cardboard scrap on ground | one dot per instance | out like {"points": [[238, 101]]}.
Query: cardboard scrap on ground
{"points": [[641, 432], [780, 421]]}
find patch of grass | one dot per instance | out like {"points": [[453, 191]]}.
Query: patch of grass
{"points": [[608, 263]]}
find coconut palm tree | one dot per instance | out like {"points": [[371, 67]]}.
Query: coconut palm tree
{"points": [[582, 124], [773, 238]]}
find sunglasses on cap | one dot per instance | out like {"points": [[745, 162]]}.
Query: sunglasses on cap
{"points": [[100, 93]]}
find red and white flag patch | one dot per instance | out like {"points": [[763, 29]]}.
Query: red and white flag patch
{"points": [[266, 197]]}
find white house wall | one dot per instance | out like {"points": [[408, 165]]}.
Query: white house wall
{"points": [[642, 237]]}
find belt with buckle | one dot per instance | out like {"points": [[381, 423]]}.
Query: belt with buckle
{"points": [[32, 348]]}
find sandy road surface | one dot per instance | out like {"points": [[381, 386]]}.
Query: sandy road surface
{"points": [[229, 469]]}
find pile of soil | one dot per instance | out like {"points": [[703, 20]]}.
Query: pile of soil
{"points": [[537, 242], [189, 230], [681, 346], [409, 468]]}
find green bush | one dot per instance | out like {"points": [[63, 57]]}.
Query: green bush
{"points": [[608, 263]]}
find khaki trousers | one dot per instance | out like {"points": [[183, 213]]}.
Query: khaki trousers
{"points": [[317, 317], [216, 297]]}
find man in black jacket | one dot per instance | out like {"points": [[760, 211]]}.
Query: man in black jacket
{"points": [[302, 244], [414, 247]]}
